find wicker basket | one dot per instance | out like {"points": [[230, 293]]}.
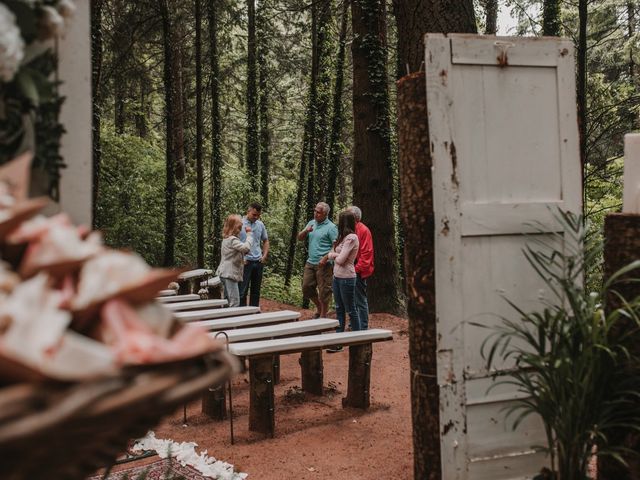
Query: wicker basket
{"points": [[68, 431]]}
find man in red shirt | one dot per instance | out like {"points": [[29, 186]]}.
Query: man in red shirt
{"points": [[364, 267]]}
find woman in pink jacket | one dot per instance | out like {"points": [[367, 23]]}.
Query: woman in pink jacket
{"points": [[343, 254]]}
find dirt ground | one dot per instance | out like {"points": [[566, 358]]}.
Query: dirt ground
{"points": [[315, 438]]}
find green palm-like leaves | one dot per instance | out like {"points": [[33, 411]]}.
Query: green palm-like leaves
{"points": [[580, 378]]}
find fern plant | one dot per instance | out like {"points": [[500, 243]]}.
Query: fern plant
{"points": [[578, 376]]}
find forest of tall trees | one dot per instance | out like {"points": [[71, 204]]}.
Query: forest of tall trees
{"points": [[202, 106]]}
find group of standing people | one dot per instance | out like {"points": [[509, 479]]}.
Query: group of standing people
{"points": [[243, 253], [339, 262]]}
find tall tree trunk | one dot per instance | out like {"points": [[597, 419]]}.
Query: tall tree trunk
{"points": [[199, 135], [417, 17], [491, 17], [581, 86], [142, 111], [96, 73], [372, 166], [418, 220], [312, 115], [417, 215], [120, 76], [551, 18], [631, 31], [297, 207], [216, 142], [177, 84], [322, 64], [169, 100], [335, 145], [265, 134], [252, 99]]}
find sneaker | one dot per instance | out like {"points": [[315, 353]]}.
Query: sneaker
{"points": [[334, 349]]}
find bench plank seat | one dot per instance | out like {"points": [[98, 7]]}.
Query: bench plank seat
{"points": [[280, 330], [167, 293], [199, 272], [261, 369], [244, 321], [313, 342], [189, 297], [196, 305], [213, 313], [212, 282]]}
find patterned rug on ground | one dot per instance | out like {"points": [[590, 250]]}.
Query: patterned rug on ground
{"points": [[162, 469]]}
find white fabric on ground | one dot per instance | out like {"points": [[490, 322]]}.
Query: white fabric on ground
{"points": [[185, 453]]}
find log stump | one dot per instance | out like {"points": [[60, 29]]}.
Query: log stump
{"points": [[622, 246], [261, 397], [214, 403], [359, 377], [312, 370]]}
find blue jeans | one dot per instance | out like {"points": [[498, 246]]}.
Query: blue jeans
{"points": [[361, 302], [231, 291], [251, 278], [344, 291]]}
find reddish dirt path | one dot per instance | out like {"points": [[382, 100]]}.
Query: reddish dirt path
{"points": [[315, 437]]}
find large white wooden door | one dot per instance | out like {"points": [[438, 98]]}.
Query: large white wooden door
{"points": [[504, 139]]}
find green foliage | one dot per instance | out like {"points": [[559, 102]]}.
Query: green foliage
{"points": [[131, 197], [273, 287], [578, 375]]}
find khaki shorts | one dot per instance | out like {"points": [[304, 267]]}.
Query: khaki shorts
{"points": [[317, 280]]}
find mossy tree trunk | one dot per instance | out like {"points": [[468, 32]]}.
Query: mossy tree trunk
{"points": [[216, 130], [372, 163]]}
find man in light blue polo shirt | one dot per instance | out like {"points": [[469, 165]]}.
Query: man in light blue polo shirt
{"points": [[256, 258], [318, 273]]}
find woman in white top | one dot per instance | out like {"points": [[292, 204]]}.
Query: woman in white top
{"points": [[232, 254], [343, 254]]}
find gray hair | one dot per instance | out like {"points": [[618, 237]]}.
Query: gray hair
{"points": [[324, 206], [356, 212]]}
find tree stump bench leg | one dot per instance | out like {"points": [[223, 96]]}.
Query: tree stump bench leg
{"points": [[312, 371], [359, 377], [261, 397], [214, 403], [276, 369]]}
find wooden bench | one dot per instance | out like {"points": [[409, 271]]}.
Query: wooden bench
{"points": [[190, 297], [167, 293], [212, 313], [261, 375], [212, 282], [196, 305], [254, 320], [305, 327], [189, 282]]}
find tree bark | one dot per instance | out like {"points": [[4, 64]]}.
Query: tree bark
{"points": [[297, 209], [322, 63], [170, 154], [551, 18], [417, 17], [491, 17], [216, 130], [581, 87], [335, 145], [265, 134], [372, 166], [96, 74], [199, 135], [418, 220], [177, 90], [631, 31], [252, 99], [622, 243]]}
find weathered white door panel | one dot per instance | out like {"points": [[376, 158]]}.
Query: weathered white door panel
{"points": [[503, 129]]}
